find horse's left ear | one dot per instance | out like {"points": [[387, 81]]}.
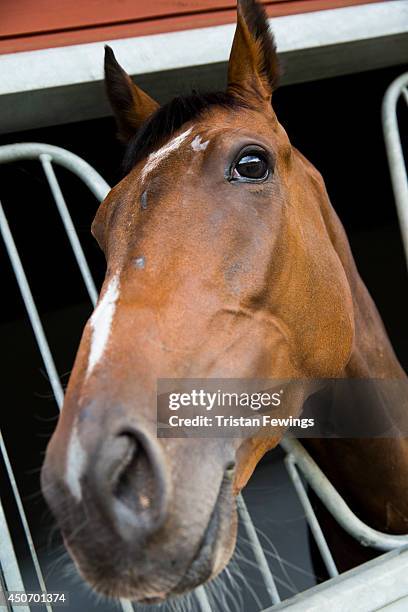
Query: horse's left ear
{"points": [[130, 104], [253, 68]]}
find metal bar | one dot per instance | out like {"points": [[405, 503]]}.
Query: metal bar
{"points": [[8, 560], [202, 599], [400, 605], [23, 519], [395, 154], [258, 550], [31, 308], [366, 588], [335, 504], [78, 166], [46, 159], [311, 516], [126, 605]]}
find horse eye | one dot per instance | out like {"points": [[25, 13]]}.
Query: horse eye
{"points": [[253, 166]]}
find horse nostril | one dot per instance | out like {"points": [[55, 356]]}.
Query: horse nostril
{"points": [[120, 476], [134, 482], [130, 482]]}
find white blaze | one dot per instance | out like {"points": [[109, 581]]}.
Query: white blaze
{"points": [[101, 323], [76, 459], [198, 145], [156, 157]]}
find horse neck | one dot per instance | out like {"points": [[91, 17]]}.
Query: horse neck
{"points": [[370, 473], [372, 355]]}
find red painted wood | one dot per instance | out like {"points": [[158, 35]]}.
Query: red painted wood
{"points": [[36, 24], [31, 16]]}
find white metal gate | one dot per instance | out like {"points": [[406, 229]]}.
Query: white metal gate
{"points": [[351, 591]]}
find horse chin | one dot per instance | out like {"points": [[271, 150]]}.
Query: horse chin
{"points": [[203, 569], [214, 552]]}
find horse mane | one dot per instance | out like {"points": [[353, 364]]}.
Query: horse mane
{"points": [[169, 118]]}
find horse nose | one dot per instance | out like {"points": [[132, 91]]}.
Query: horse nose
{"points": [[130, 483], [122, 485]]}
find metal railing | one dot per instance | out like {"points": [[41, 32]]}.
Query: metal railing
{"points": [[396, 161], [297, 459]]}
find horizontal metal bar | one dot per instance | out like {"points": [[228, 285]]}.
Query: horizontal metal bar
{"points": [[335, 504], [399, 605], [366, 588], [32, 150]]}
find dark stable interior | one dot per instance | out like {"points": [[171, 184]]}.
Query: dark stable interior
{"points": [[336, 123]]}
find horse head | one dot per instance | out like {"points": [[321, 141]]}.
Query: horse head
{"points": [[224, 259]]}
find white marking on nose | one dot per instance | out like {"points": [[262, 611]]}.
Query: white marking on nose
{"points": [[198, 145], [157, 156], [76, 459], [101, 323]]}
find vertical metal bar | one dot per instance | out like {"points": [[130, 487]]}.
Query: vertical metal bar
{"points": [[23, 518], [3, 588], [258, 551], [395, 154], [202, 599], [311, 517], [8, 560], [31, 309], [50, 368], [69, 226], [126, 605]]}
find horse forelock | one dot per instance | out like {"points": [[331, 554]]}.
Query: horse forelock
{"points": [[168, 119]]}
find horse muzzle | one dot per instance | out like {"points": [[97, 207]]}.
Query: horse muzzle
{"points": [[119, 510]]}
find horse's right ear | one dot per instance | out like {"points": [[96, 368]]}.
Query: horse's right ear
{"points": [[130, 104]]}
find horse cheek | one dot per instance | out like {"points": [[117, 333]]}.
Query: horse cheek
{"points": [[249, 454]]}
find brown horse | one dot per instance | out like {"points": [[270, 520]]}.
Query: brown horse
{"points": [[225, 259]]}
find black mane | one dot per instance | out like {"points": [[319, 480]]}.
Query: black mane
{"points": [[168, 119]]}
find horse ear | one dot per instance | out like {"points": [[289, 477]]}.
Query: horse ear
{"points": [[253, 67], [130, 104]]}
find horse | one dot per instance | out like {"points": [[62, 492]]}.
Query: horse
{"points": [[225, 259]]}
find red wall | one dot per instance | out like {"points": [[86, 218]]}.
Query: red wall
{"points": [[36, 24]]}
